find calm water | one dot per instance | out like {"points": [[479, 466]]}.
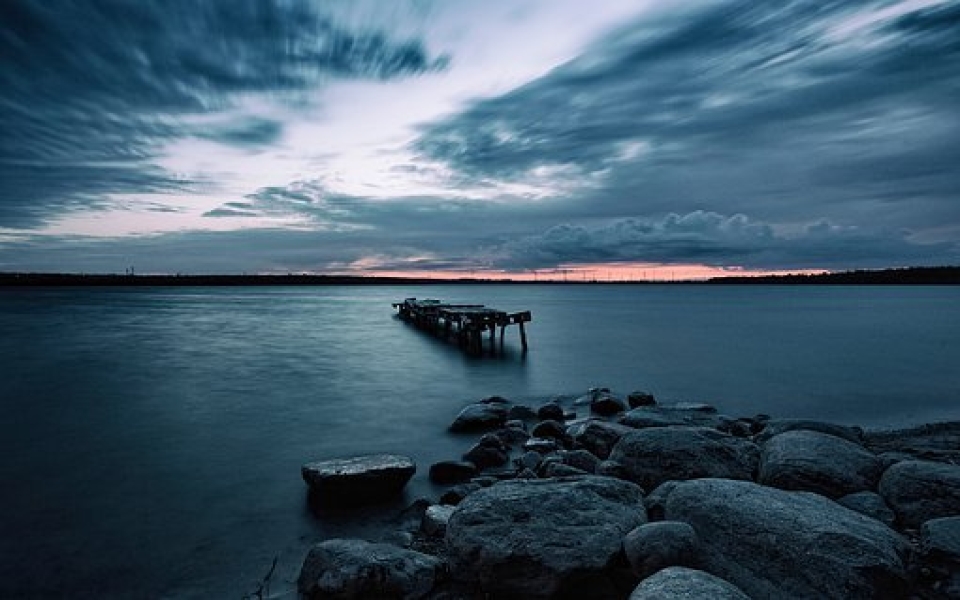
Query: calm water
{"points": [[152, 438]]}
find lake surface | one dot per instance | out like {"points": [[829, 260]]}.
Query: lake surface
{"points": [[152, 438]]}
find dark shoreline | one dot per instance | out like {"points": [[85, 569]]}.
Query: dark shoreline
{"points": [[905, 276]]}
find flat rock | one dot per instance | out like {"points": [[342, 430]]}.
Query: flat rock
{"points": [[597, 436], [869, 504], [539, 538], [360, 478], [347, 568], [918, 491], [655, 546], [818, 462], [481, 416], [777, 426], [682, 583], [651, 456], [773, 543]]}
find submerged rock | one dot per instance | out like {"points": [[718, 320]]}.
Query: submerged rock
{"points": [[918, 491], [543, 537], [773, 543], [681, 583], [368, 478], [481, 416], [651, 456], [347, 569]]}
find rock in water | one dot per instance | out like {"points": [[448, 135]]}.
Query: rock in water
{"points": [[481, 416], [919, 490], [681, 583], [651, 456], [777, 544], [774, 427], [452, 471], [358, 479], [347, 569], [540, 538], [818, 462], [641, 398]]}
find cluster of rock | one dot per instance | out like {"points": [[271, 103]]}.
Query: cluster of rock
{"points": [[642, 500]]}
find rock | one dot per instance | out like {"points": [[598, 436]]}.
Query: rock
{"points": [[654, 546], [609, 468], [681, 583], [558, 469], [540, 445], [607, 406], [549, 429], [516, 424], [521, 413], [481, 416], [698, 407], [652, 456], [773, 543], [530, 460], [940, 539], [777, 426], [452, 471], [434, 522], [811, 461], [640, 418], [656, 501], [485, 480], [370, 478], [345, 568], [869, 504], [457, 493], [542, 538], [640, 398], [495, 400], [737, 427], [581, 459], [486, 456], [599, 437], [512, 436], [527, 474], [918, 491], [550, 411]]}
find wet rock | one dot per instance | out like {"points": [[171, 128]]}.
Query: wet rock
{"points": [[512, 436], [655, 546], [869, 504], [457, 493], [481, 416], [559, 469], [640, 398], [550, 411], [346, 568], [549, 429], [818, 462], [435, 518], [607, 406], [542, 538], [773, 543], [652, 456], [521, 413], [486, 456], [530, 460], [774, 427], [581, 459], [452, 471], [598, 437], [918, 491], [697, 407], [363, 479], [681, 583]]}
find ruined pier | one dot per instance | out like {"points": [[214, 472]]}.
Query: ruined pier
{"points": [[464, 323]]}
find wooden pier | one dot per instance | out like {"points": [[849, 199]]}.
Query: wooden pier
{"points": [[465, 323]]}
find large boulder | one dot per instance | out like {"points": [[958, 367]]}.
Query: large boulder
{"points": [[774, 427], [818, 462], [651, 456], [773, 543], [538, 538], [654, 546], [452, 471], [597, 436], [481, 416], [364, 479], [682, 583], [347, 569], [918, 491]]}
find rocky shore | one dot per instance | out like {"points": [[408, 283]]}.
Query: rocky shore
{"points": [[611, 496]]}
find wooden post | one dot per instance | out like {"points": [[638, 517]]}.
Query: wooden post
{"points": [[493, 338], [503, 329], [523, 337]]}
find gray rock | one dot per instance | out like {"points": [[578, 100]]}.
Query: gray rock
{"points": [[599, 437], [681, 583], [581, 459], [435, 518], [480, 416], [345, 568], [512, 436], [457, 493], [550, 411], [869, 504], [940, 539], [698, 407], [486, 456], [818, 462], [452, 471], [530, 460], [773, 543], [368, 478], [656, 501], [640, 418], [539, 538], [918, 491], [607, 406], [654, 546], [777, 426], [640, 398], [559, 469], [652, 456], [541, 445], [549, 429]]}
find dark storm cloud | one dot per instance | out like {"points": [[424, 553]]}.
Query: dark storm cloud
{"points": [[790, 113], [89, 88]]}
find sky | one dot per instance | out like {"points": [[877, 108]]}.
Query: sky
{"points": [[601, 138]]}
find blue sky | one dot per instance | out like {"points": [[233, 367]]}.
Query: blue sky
{"points": [[471, 137]]}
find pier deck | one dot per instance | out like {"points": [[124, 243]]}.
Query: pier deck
{"points": [[465, 323]]}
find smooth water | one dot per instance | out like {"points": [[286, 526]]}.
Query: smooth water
{"points": [[152, 438]]}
